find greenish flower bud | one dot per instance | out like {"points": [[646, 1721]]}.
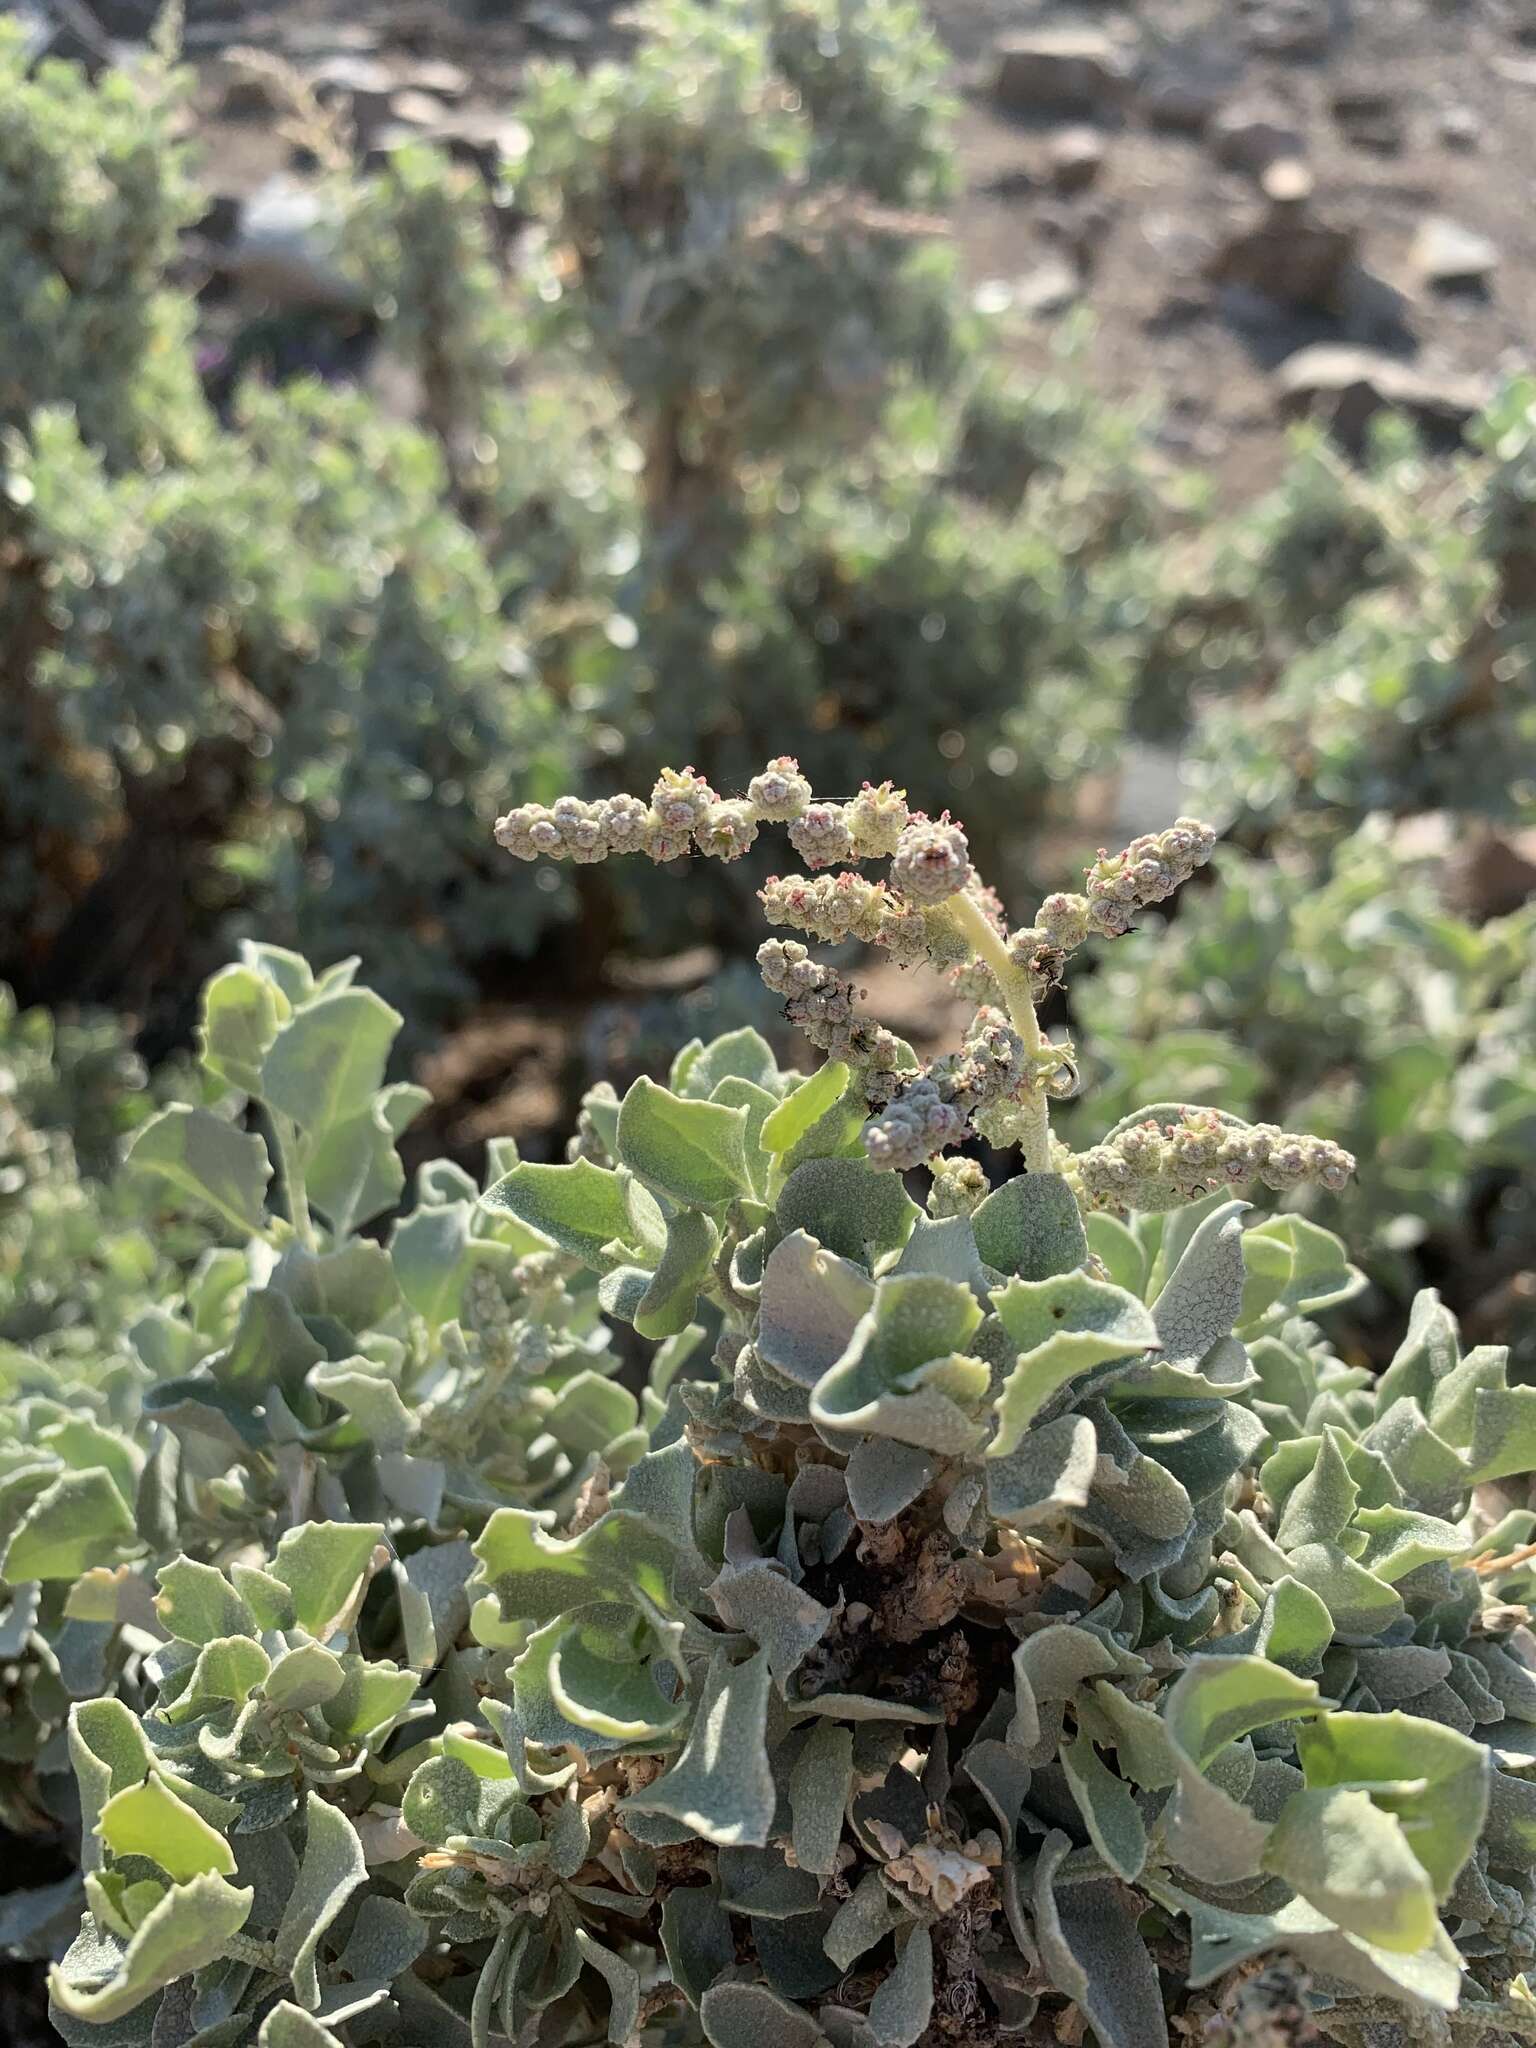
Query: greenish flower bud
{"points": [[1065, 920], [728, 829], [959, 1188], [681, 800], [877, 817]]}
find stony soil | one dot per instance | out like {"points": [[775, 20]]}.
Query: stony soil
{"points": [[1125, 176]]}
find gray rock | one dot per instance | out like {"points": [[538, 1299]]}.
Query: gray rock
{"points": [[1252, 134], [411, 108], [1451, 258], [1288, 181], [1076, 157], [445, 81], [1180, 101], [1289, 258], [1349, 386], [1368, 118], [360, 86], [1056, 71], [557, 22]]}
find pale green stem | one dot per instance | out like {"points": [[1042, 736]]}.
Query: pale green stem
{"points": [[1013, 981], [292, 1169]]}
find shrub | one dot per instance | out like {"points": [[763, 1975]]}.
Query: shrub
{"points": [[758, 471], [247, 664], [238, 1357], [1020, 1618], [1368, 636]]}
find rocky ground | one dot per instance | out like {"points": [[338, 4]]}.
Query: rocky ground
{"points": [[1265, 205]]}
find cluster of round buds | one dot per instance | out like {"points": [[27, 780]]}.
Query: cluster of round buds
{"points": [[726, 830], [1147, 871], [934, 1111], [958, 1188], [1065, 921], [830, 907], [627, 824], [821, 1004], [1033, 948], [780, 793], [681, 801], [918, 1122], [991, 1066], [571, 830], [932, 861], [820, 835], [877, 817], [1200, 1152]]}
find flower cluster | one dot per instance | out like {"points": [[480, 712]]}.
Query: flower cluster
{"points": [[933, 1112], [1150, 1164], [931, 907], [820, 1004]]}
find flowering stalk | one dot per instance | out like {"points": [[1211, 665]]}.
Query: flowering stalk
{"points": [[932, 906]]}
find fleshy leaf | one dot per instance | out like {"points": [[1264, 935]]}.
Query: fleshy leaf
{"points": [[208, 1160], [900, 2010], [1432, 1779], [1031, 1227], [694, 1152], [1093, 1954], [752, 2016], [325, 1565], [672, 1292], [580, 1207], [804, 1107], [1049, 1473], [184, 1933], [331, 1870], [1062, 1327], [623, 1984], [1213, 1704], [903, 1374], [848, 1207], [1352, 1861], [327, 1062], [697, 1939], [149, 1820], [78, 1521], [721, 1785], [810, 1305], [538, 1577], [1108, 1807], [819, 1786], [239, 1017], [289, 2026], [1203, 1295], [353, 1172], [433, 1255]]}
